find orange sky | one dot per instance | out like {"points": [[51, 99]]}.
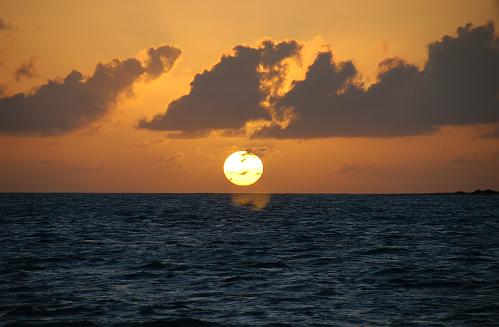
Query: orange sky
{"points": [[111, 154]]}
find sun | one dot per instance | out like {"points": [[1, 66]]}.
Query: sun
{"points": [[243, 168]]}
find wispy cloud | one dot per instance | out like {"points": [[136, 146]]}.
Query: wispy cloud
{"points": [[149, 142], [26, 70], [4, 25], [463, 160], [355, 168], [174, 160]]}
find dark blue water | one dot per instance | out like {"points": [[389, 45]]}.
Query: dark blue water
{"points": [[249, 260]]}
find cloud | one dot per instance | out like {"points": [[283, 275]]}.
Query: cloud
{"points": [[222, 153], [52, 163], [260, 151], [464, 160], [160, 60], [148, 142], [175, 160], [458, 85], [62, 105], [355, 168], [26, 70], [71, 167], [4, 26], [229, 94], [89, 169]]}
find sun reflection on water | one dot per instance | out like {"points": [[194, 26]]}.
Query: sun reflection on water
{"points": [[253, 201]]}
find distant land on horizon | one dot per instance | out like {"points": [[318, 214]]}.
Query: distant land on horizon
{"points": [[479, 192]]}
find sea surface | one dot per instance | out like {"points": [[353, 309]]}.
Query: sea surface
{"points": [[249, 260]]}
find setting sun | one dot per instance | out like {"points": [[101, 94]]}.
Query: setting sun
{"points": [[243, 168]]}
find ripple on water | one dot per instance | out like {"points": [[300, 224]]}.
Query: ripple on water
{"points": [[219, 260]]}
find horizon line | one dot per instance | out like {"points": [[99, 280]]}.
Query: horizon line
{"points": [[460, 192]]}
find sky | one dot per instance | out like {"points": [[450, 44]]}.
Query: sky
{"points": [[334, 96]]}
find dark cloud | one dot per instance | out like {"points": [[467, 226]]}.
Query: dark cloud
{"points": [[4, 26], [63, 105], [159, 60], [458, 85], [26, 70], [229, 94]]}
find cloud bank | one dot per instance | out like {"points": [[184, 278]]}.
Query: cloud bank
{"points": [[458, 85], [229, 94], [62, 105]]}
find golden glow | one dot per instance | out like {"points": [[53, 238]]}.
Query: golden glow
{"points": [[243, 168]]}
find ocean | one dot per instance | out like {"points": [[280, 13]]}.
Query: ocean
{"points": [[249, 260]]}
